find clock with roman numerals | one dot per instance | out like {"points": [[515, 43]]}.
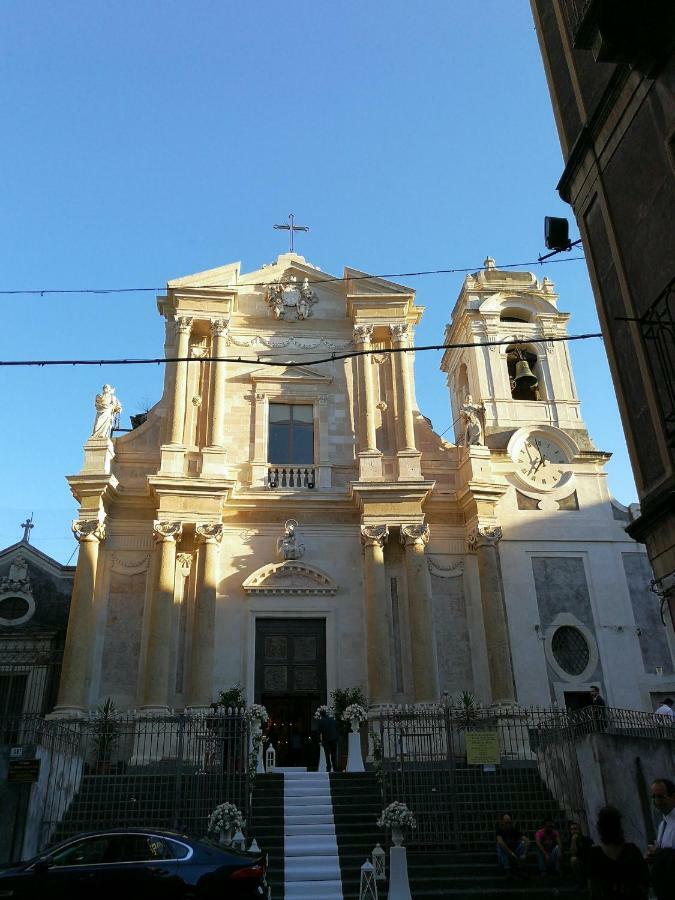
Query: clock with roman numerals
{"points": [[541, 461]]}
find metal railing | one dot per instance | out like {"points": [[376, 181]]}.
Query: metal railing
{"points": [[421, 754], [131, 770]]}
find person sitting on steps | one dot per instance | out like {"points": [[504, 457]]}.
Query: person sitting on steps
{"points": [[512, 846]]}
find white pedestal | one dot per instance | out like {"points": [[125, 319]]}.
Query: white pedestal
{"points": [[399, 887], [322, 759], [354, 758]]}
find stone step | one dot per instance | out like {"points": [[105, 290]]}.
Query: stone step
{"points": [[314, 890]]}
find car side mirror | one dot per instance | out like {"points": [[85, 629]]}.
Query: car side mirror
{"points": [[43, 865]]}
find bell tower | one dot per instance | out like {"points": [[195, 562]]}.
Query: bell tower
{"points": [[524, 384]]}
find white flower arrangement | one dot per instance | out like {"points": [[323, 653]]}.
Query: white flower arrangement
{"points": [[327, 709], [257, 711], [224, 817], [355, 711], [396, 814]]}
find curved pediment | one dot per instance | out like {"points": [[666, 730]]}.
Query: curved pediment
{"points": [[289, 577]]}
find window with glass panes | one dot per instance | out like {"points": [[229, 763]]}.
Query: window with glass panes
{"points": [[291, 434]]}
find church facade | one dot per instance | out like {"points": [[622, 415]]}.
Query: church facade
{"points": [[286, 519]]}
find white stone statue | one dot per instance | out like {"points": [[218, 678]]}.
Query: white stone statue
{"points": [[473, 429], [107, 407], [288, 546]]}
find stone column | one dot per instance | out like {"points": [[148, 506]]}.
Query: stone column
{"points": [[399, 334], [77, 653], [421, 614], [483, 540], [217, 402], [209, 535], [156, 681], [362, 337], [378, 614], [183, 328]]}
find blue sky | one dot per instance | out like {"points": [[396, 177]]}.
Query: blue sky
{"points": [[143, 141]]}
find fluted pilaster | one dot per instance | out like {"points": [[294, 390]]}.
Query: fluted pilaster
{"points": [[423, 643], [177, 429], [217, 406], [209, 536], [156, 676], [363, 338], [77, 654], [378, 614], [483, 541]]}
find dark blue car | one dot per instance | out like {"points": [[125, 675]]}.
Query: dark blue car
{"points": [[137, 864]]}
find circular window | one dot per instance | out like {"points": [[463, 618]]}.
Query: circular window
{"points": [[570, 649], [13, 608]]}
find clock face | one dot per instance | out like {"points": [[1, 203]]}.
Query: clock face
{"points": [[541, 462]]}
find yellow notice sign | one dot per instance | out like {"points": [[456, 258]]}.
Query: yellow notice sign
{"points": [[482, 748]]}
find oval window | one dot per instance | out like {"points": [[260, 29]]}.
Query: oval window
{"points": [[570, 649], [13, 608]]}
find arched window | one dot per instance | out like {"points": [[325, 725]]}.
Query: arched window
{"points": [[514, 315], [524, 373]]}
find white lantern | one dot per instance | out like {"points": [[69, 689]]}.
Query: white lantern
{"points": [[254, 848], [368, 888], [239, 841], [270, 758], [379, 858]]}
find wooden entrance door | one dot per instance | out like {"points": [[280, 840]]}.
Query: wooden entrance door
{"points": [[290, 681]]}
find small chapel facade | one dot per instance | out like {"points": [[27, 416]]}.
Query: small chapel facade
{"points": [[298, 527]]}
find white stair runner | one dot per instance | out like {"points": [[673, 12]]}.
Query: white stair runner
{"points": [[311, 862]]}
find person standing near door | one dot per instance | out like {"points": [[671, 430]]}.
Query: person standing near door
{"points": [[328, 730]]}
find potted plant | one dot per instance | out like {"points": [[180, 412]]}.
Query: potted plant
{"points": [[106, 730], [232, 698], [223, 821], [398, 817], [355, 714], [340, 699]]}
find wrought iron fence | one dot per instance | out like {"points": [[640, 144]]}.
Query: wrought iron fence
{"points": [[29, 676], [422, 752], [130, 770]]}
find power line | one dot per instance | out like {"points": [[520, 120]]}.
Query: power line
{"points": [[261, 361], [41, 292]]}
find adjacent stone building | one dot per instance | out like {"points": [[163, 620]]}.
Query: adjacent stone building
{"points": [[611, 74], [286, 518]]}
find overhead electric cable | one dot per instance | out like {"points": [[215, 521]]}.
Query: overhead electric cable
{"points": [[261, 361], [326, 280]]}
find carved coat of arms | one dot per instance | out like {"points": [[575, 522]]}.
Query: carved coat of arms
{"points": [[288, 295]]}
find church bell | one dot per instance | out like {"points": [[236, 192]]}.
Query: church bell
{"points": [[525, 379]]}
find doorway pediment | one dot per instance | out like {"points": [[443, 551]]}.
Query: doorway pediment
{"points": [[289, 577]]}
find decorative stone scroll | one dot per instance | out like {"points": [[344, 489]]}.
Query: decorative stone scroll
{"points": [[290, 577], [209, 532], [167, 531], [484, 536], [88, 530], [17, 579], [414, 534], [372, 535]]}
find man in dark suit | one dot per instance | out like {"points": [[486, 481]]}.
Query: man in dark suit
{"points": [[328, 730]]}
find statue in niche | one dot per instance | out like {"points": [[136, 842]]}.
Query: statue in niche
{"points": [[288, 546], [108, 409], [470, 413]]}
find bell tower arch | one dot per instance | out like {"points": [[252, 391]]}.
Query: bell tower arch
{"points": [[518, 372]]}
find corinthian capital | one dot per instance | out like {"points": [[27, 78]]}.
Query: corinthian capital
{"points": [[88, 530], [374, 535], [219, 327], [399, 332], [183, 324], [167, 531], [414, 534], [484, 536], [363, 334], [209, 532]]}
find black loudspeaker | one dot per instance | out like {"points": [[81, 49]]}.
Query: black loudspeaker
{"points": [[556, 233]]}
